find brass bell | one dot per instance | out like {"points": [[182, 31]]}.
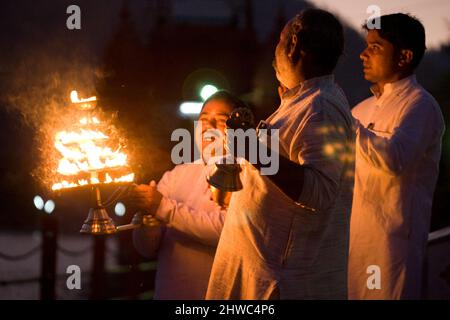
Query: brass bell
{"points": [[223, 180], [98, 222], [225, 176]]}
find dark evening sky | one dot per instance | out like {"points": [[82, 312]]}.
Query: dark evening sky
{"points": [[27, 21]]}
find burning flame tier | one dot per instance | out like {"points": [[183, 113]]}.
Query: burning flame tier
{"points": [[88, 154]]}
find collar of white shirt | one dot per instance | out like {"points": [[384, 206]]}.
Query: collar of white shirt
{"points": [[393, 87], [308, 84]]}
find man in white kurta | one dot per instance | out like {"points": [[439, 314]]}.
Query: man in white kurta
{"points": [[397, 164], [190, 233], [272, 247], [192, 221], [288, 238], [398, 147]]}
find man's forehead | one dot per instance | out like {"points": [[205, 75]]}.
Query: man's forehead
{"points": [[288, 26], [216, 107], [374, 36], [220, 113]]}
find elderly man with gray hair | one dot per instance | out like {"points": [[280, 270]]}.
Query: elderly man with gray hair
{"points": [[286, 235]]}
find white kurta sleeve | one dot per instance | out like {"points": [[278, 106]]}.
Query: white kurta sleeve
{"points": [[201, 224], [408, 141], [320, 146]]}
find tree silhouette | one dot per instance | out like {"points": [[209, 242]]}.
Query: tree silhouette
{"points": [[441, 203]]}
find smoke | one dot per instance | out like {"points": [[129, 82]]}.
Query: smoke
{"points": [[39, 89], [41, 83]]}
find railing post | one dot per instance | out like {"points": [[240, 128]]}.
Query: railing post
{"points": [[98, 268], [49, 229]]}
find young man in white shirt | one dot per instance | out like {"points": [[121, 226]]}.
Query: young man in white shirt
{"points": [[398, 147]]}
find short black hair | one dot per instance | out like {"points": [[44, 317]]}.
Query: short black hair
{"points": [[321, 34], [403, 31], [228, 98]]}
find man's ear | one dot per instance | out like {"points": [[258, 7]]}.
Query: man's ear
{"points": [[293, 47], [406, 57]]}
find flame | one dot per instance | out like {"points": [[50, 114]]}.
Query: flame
{"points": [[84, 104], [127, 178], [74, 98], [87, 155]]}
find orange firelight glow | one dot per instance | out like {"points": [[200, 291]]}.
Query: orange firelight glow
{"points": [[87, 154]]}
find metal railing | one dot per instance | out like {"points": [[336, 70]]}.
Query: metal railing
{"points": [[435, 238]]}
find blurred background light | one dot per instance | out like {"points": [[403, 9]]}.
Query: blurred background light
{"points": [[191, 108], [49, 206], [207, 91], [120, 209], [38, 202]]}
